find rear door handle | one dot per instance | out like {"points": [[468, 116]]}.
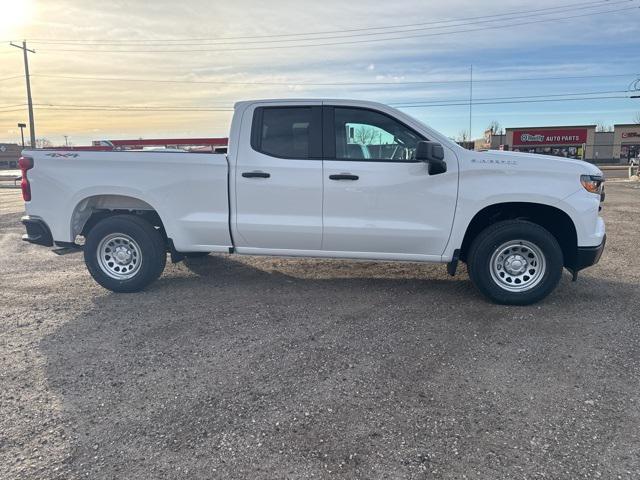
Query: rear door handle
{"points": [[256, 174], [344, 176]]}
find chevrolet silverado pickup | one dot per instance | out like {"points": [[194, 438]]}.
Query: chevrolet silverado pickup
{"points": [[322, 178]]}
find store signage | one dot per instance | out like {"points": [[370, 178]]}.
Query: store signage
{"points": [[556, 136], [630, 134]]}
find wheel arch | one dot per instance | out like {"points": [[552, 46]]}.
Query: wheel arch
{"points": [[90, 210], [555, 220]]}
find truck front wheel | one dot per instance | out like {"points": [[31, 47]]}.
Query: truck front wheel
{"points": [[515, 262], [124, 253]]}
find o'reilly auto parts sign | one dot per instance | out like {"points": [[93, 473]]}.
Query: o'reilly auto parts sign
{"points": [[631, 134], [556, 136]]}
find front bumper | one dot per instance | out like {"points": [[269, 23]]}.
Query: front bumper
{"points": [[37, 231], [588, 256]]}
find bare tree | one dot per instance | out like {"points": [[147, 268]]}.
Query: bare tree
{"points": [[601, 127], [43, 143], [495, 128], [636, 119], [463, 136], [365, 135]]}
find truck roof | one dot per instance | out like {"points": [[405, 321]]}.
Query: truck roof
{"points": [[342, 101]]}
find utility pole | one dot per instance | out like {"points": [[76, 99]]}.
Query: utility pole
{"points": [[66, 140], [22, 126], [32, 129], [470, 99]]}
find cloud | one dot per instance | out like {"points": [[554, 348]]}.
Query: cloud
{"points": [[572, 47]]}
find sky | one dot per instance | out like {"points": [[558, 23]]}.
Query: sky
{"points": [[132, 69]]}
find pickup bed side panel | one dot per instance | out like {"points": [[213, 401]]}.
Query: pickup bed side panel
{"points": [[187, 190]]}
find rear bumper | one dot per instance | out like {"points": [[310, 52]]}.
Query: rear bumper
{"points": [[37, 231], [588, 256]]}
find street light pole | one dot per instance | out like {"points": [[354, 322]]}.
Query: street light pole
{"points": [[32, 129], [22, 126]]}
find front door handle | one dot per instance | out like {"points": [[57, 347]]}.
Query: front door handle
{"points": [[256, 174], [344, 176]]}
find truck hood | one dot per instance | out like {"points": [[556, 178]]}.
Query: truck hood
{"points": [[533, 161]]}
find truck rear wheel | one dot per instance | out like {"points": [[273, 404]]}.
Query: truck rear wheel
{"points": [[124, 253], [515, 262]]}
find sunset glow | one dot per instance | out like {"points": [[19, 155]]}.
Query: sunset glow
{"points": [[13, 16], [130, 69]]}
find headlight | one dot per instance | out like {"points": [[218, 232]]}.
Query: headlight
{"points": [[592, 183]]}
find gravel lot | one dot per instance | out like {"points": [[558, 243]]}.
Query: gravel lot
{"points": [[268, 368]]}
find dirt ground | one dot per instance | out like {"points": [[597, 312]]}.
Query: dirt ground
{"points": [[261, 368]]}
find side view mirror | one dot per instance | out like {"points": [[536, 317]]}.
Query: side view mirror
{"points": [[432, 153]]}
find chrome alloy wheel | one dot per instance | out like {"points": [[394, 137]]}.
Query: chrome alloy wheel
{"points": [[119, 256], [517, 265]]}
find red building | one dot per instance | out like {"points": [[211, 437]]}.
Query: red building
{"points": [[570, 142]]}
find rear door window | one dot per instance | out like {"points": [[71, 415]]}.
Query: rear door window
{"points": [[288, 132]]}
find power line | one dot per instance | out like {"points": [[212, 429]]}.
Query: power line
{"points": [[466, 104], [327, 84], [351, 42], [416, 103], [225, 82], [10, 78], [344, 34], [159, 108], [53, 106], [14, 105], [516, 98], [116, 107], [592, 4]]}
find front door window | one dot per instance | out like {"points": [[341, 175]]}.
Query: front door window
{"points": [[367, 135]]}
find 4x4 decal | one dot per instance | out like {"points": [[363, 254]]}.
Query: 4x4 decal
{"points": [[62, 155]]}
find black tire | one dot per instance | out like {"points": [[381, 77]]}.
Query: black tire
{"points": [[146, 264], [196, 254], [524, 239]]}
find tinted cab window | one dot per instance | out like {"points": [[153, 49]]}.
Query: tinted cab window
{"points": [[287, 132]]}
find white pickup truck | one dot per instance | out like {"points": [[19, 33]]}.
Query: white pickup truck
{"points": [[322, 178]]}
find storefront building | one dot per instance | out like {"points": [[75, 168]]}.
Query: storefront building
{"points": [[581, 142], [569, 142], [603, 148], [9, 155], [626, 142]]}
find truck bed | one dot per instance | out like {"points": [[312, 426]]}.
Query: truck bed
{"points": [[188, 191]]}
